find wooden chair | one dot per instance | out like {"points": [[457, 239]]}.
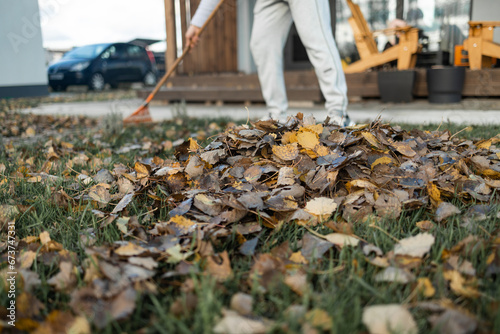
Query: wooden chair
{"points": [[405, 52], [480, 45]]}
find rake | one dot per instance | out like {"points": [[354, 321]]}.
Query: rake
{"points": [[142, 115]]}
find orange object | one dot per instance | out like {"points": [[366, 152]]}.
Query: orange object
{"points": [[480, 45], [142, 115], [461, 56]]}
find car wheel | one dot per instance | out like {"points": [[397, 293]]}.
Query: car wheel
{"points": [[149, 79], [97, 82]]}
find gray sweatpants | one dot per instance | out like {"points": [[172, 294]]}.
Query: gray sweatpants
{"points": [[272, 23]]}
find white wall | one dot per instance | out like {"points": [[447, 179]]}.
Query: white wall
{"points": [[487, 10], [22, 58]]}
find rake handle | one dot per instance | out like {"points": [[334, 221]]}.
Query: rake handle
{"points": [[178, 60]]}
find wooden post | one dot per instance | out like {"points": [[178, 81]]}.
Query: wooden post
{"points": [[171, 52]]}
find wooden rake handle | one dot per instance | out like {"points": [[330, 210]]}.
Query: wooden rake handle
{"points": [[186, 50]]}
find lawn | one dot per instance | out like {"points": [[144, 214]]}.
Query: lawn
{"points": [[200, 226]]}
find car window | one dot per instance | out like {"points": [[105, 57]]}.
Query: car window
{"points": [[85, 52], [114, 52], [135, 52]]}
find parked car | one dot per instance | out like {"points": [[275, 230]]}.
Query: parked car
{"points": [[98, 64]]}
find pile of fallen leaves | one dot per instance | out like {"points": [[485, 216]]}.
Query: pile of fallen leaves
{"points": [[254, 180]]}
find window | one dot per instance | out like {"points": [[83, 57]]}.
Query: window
{"points": [[444, 23], [377, 13], [135, 52]]}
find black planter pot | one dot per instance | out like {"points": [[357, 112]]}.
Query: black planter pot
{"points": [[445, 84], [396, 86]]}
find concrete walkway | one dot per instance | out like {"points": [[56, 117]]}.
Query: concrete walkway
{"points": [[469, 111]]}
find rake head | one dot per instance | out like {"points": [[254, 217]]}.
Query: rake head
{"points": [[141, 115]]}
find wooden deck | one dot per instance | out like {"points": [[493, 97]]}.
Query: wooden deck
{"points": [[303, 86]]}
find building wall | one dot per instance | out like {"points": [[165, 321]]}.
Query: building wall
{"points": [[487, 10], [22, 58]]}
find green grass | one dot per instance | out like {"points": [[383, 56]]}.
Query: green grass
{"points": [[341, 293]]}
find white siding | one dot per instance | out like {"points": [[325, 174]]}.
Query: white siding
{"points": [[22, 58]]}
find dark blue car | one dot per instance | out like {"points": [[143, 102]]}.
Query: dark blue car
{"points": [[98, 64]]}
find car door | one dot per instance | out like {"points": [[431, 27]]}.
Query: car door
{"points": [[135, 56], [115, 63]]}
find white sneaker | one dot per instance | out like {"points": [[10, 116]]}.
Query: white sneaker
{"points": [[281, 117], [342, 121]]}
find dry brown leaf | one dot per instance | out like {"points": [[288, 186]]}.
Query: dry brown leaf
{"points": [[342, 240], [424, 285], [44, 237], [319, 318], [394, 274], [425, 225], [242, 303], [446, 210], [416, 246], [321, 206], [219, 267], [382, 161], [454, 322], [123, 203], [307, 140], [233, 323], [286, 152], [370, 138], [65, 279], [388, 319], [297, 281], [130, 249], [142, 170], [459, 285], [286, 176], [404, 149]]}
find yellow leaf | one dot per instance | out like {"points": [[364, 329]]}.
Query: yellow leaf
{"points": [[486, 144], [458, 284], [316, 128], [371, 139], [424, 285], [308, 140], [382, 161], [193, 145], [404, 149], [297, 257], [44, 237], [184, 224], [425, 225], [289, 137], [434, 194], [491, 173], [321, 150], [129, 250], [320, 319], [142, 170], [361, 184], [286, 152]]}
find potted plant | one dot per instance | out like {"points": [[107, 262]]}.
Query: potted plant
{"points": [[445, 84], [396, 85]]}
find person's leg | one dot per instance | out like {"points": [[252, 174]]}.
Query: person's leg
{"points": [[313, 22], [272, 22]]}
